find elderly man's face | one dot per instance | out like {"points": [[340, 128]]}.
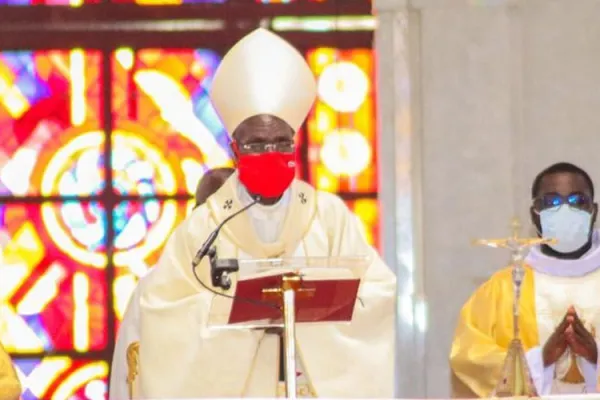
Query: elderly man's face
{"points": [[264, 133], [265, 156]]}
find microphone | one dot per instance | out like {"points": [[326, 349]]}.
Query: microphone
{"points": [[206, 246], [218, 271]]}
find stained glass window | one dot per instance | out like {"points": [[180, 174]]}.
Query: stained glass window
{"points": [[50, 107], [308, 1], [141, 229], [59, 311], [165, 2], [53, 277], [367, 211], [54, 294], [169, 2], [341, 127], [72, 3], [325, 23], [62, 378], [285, 1], [341, 153], [161, 102]]}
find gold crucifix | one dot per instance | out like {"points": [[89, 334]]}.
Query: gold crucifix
{"points": [[516, 378], [516, 244], [518, 247]]}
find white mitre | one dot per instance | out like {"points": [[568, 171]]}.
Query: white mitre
{"points": [[263, 74]]}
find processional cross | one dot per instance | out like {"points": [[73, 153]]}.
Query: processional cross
{"points": [[516, 379]]}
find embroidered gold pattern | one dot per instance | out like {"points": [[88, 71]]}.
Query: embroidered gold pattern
{"points": [[132, 365], [304, 391]]}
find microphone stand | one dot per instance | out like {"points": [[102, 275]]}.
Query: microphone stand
{"points": [[219, 269]]}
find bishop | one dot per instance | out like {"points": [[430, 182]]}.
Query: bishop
{"points": [[263, 91]]}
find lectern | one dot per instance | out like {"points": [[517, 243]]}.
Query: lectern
{"points": [[279, 293]]}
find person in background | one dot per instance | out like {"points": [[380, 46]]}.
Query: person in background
{"points": [[210, 182], [10, 387], [559, 311]]}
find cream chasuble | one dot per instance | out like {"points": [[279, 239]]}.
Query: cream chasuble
{"points": [[485, 329], [181, 358]]}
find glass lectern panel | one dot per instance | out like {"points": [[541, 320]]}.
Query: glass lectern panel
{"points": [[327, 289]]}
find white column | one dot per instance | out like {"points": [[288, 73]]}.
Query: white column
{"points": [[561, 85], [445, 98], [397, 39], [475, 98], [468, 189]]}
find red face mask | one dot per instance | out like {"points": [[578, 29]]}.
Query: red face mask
{"points": [[266, 174]]}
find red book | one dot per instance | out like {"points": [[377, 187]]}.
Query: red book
{"points": [[328, 300]]}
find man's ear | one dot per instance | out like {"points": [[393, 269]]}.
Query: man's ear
{"points": [[535, 220], [234, 151]]}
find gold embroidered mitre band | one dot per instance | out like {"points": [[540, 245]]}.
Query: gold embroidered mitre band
{"points": [[263, 74]]}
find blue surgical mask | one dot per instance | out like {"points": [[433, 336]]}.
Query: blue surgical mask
{"points": [[569, 226]]}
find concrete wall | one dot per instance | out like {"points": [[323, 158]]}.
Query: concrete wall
{"points": [[498, 91]]}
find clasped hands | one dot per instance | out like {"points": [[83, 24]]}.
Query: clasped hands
{"points": [[571, 334]]}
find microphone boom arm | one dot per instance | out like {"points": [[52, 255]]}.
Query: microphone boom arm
{"points": [[219, 269]]}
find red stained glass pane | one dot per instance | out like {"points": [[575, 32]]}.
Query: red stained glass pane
{"points": [[53, 291], [166, 131], [62, 378], [341, 127], [174, 2], [308, 1], [71, 3], [169, 2], [367, 210], [141, 230], [50, 136]]}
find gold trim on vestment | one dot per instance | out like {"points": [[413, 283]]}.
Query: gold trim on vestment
{"points": [[133, 368]]}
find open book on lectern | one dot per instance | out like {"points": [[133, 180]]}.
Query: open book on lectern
{"points": [[328, 292]]}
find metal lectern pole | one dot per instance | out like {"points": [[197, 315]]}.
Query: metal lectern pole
{"points": [[290, 288], [289, 340]]}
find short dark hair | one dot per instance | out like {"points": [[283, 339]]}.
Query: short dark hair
{"points": [[212, 181], [559, 168]]}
